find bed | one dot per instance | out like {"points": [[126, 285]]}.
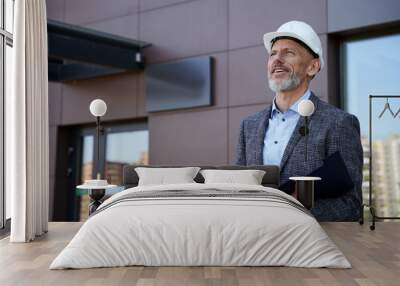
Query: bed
{"points": [[201, 224]]}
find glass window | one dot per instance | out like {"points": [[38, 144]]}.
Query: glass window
{"points": [[6, 16], [1, 14], [371, 68], [2, 193], [124, 148], [86, 173], [87, 158], [123, 145], [8, 87], [9, 15]]}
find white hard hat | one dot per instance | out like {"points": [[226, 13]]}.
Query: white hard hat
{"points": [[298, 30]]}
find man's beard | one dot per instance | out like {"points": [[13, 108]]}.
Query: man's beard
{"points": [[284, 85]]}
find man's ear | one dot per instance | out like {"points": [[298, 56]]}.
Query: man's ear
{"points": [[314, 67]]}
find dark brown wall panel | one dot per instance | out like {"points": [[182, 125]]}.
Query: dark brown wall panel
{"points": [[319, 85], [250, 20], [334, 70], [153, 4], [51, 197], [55, 9], [55, 107], [353, 14], [86, 11], [52, 165], [189, 138], [220, 79], [141, 97], [119, 92], [188, 29], [127, 26], [52, 149], [248, 83]]}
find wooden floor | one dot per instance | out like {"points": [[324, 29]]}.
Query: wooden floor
{"points": [[374, 255]]}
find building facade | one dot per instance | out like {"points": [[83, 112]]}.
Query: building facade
{"points": [[231, 32]]}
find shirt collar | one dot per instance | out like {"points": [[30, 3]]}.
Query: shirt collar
{"points": [[294, 106]]}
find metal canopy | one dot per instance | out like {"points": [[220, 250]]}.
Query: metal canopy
{"points": [[79, 53]]}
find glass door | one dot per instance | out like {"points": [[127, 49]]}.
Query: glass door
{"points": [[6, 43], [120, 145], [124, 147], [86, 173], [370, 67], [2, 137]]}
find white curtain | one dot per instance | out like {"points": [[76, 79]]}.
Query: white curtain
{"points": [[27, 144]]}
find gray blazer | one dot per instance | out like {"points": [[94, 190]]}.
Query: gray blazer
{"points": [[331, 130]]}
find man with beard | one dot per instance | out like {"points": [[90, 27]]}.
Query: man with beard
{"points": [[272, 136]]}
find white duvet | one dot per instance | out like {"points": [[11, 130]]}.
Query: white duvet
{"points": [[200, 231]]}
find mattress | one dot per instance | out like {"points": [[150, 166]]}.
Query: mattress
{"points": [[201, 225]]}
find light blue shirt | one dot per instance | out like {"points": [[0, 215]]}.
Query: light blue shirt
{"points": [[280, 129]]}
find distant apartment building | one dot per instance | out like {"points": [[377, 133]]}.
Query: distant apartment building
{"points": [[386, 175], [365, 183]]}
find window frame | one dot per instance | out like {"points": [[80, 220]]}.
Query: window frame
{"points": [[358, 35], [108, 128], [69, 160], [6, 39], [90, 130], [355, 36]]}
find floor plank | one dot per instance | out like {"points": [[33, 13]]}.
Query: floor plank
{"points": [[374, 255]]}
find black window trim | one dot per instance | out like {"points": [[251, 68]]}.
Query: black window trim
{"points": [[356, 35], [109, 128], [6, 39]]}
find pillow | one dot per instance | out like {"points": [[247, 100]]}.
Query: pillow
{"points": [[162, 176], [248, 177]]}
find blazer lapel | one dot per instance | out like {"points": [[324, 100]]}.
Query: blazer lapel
{"points": [[262, 128], [296, 136]]}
